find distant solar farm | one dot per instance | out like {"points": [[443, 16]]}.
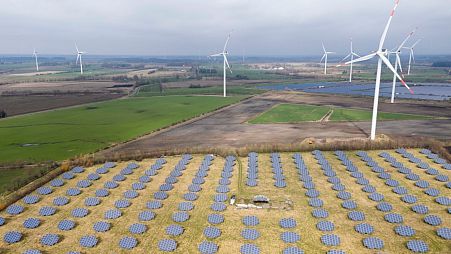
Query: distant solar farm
{"points": [[395, 201]]}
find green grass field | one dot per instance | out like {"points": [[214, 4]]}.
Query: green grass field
{"points": [[153, 90], [294, 113], [61, 134]]}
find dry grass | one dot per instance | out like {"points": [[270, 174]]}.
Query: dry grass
{"points": [[231, 240]]}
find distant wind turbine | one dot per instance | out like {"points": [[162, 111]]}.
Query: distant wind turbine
{"points": [[411, 57], [35, 54], [397, 54], [224, 54], [381, 53], [326, 53], [79, 54], [351, 58]]}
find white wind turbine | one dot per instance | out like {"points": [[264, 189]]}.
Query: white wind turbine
{"points": [[411, 57], [397, 53], [224, 54], [35, 54], [79, 54], [326, 53], [351, 58], [381, 53]]}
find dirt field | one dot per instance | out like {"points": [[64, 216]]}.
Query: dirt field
{"points": [[63, 86], [228, 128], [269, 239]]}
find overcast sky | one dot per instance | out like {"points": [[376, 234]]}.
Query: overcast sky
{"points": [[195, 27]]}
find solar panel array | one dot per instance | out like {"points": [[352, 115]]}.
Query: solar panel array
{"points": [[252, 170], [128, 242], [276, 165]]}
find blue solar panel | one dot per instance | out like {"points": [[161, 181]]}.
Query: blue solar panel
{"points": [[325, 226], [333, 180], [349, 204], [60, 201], [138, 186], [391, 182], [80, 212], [119, 178], [186, 206], [377, 169], [292, 250], [444, 233], [362, 181], [2, 221], [122, 203], [290, 237], [102, 170], [413, 177], [405, 171], [45, 190], [312, 193], [364, 228], [110, 185], [320, 213], [128, 242], [30, 199], [144, 179], [394, 218], [160, 195], [433, 220], [12, 237], [250, 234], [167, 245], [78, 170], [338, 187], [420, 209], [373, 243], [422, 184], [68, 175], [356, 216], [384, 175], [218, 207], [404, 230], [441, 178], [335, 252], [88, 241], [154, 204], [137, 228], [369, 189], [66, 225], [130, 194], [212, 232], [376, 197], [198, 180], [174, 230], [309, 185], [287, 223], [102, 226], [31, 223], [400, 190], [102, 193], [417, 246], [316, 202], [330, 240], [112, 214], [180, 216], [215, 218], [221, 197], [194, 188], [50, 239], [251, 183], [126, 171], [248, 248], [384, 207], [443, 201], [357, 174], [32, 251], [409, 199], [47, 211], [344, 195], [146, 216], [207, 247], [57, 182], [73, 192], [250, 220], [84, 183], [93, 177]]}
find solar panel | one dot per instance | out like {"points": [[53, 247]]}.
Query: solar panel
{"points": [[316, 202], [404, 230], [373, 243], [31, 223], [312, 193], [68, 175], [333, 180], [154, 204], [32, 251], [122, 203], [160, 195], [409, 199], [12, 237], [180, 216], [212, 232], [88, 241], [167, 245], [391, 182], [364, 228], [344, 195], [224, 181], [2, 221], [248, 248], [448, 185], [126, 171], [222, 189], [78, 170], [420, 209], [215, 218], [66, 225], [287, 223], [57, 183], [290, 237], [198, 180], [144, 179], [444, 233], [194, 188], [30, 199], [320, 213], [50, 239], [119, 178], [146, 216], [280, 184], [47, 211], [356, 216], [377, 169], [441, 178], [128, 242], [357, 174], [376, 197], [384, 175], [110, 185], [80, 212], [207, 247], [413, 177], [325, 226], [330, 240], [417, 246], [186, 206], [338, 187], [335, 252], [130, 194], [151, 172], [405, 171], [309, 185], [174, 230], [443, 201], [93, 177], [400, 190], [250, 220], [369, 189], [362, 181], [349, 204], [422, 184], [102, 193], [102, 226], [218, 207], [221, 197], [384, 207], [292, 250], [73, 192], [60, 201], [137, 228], [84, 183], [393, 218], [139, 186], [112, 214], [45, 190], [251, 183], [432, 220]]}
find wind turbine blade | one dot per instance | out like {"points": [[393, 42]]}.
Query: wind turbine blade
{"points": [[385, 60], [78, 57], [227, 42], [418, 41], [355, 54], [361, 59], [219, 54], [348, 56], [399, 62], [406, 39], [324, 48], [227, 63], [413, 55], [78, 51], [324, 56], [384, 34]]}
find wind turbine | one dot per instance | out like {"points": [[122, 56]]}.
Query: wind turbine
{"points": [[224, 54], [79, 54], [411, 57], [398, 63], [381, 53], [351, 58], [326, 53], [35, 54]]}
